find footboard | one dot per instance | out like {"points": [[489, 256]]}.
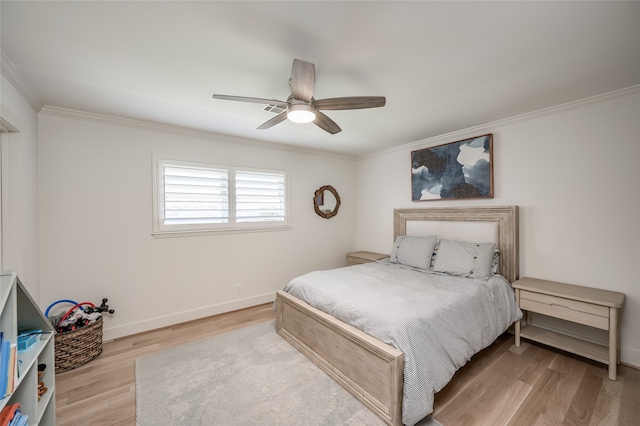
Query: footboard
{"points": [[369, 369]]}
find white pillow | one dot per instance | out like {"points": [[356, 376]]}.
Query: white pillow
{"points": [[464, 259], [414, 251]]}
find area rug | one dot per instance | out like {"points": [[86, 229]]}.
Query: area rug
{"points": [[246, 377]]}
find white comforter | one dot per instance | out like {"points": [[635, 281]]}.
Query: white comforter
{"points": [[438, 321]]}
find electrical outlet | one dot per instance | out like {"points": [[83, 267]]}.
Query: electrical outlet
{"points": [[238, 288]]}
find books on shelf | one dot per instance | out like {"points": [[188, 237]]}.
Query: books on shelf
{"points": [[8, 367], [12, 374], [11, 415], [5, 352]]}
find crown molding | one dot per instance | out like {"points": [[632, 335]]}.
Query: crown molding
{"points": [[488, 127], [129, 122], [15, 77]]}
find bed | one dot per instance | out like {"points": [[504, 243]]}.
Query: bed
{"points": [[353, 343]]}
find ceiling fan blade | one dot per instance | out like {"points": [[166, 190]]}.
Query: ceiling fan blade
{"points": [[325, 123], [253, 100], [275, 120], [303, 78], [353, 102]]}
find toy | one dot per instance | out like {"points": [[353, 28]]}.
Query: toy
{"points": [[80, 315], [102, 308]]}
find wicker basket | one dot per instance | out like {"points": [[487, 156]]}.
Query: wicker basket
{"points": [[78, 347]]}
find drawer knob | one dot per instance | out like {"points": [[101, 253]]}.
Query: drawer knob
{"points": [[555, 305]]}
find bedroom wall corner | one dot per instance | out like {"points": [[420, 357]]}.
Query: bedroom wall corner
{"points": [[20, 212]]}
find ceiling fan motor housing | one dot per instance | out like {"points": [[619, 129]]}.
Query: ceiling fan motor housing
{"points": [[300, 111]]}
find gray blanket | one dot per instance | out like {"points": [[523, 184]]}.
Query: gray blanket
{"points": [[438, 321]]}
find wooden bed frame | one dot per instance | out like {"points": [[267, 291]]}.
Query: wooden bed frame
{"points": [[369, 369]]}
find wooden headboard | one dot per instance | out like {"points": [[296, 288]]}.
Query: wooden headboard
{"points": [[474, 224]]}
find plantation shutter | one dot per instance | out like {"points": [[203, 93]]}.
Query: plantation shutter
{"points": [[195, 195], [260, 197]]}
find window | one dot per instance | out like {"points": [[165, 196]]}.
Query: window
{"points": [[192, 197]]}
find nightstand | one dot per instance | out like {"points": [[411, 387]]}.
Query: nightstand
{"points": [[358, 257], [583, 305]]}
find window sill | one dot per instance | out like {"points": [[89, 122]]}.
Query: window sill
{"points": [[203, 232]]}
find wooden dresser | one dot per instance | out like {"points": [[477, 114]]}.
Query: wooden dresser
{"points": [[357, 257], [583, 305]]}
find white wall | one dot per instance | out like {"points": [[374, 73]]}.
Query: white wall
{"points": [[96, 223], [21, 252], [574, 173]]}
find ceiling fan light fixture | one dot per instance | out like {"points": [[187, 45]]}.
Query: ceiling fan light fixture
{"points": [[301, 113]]}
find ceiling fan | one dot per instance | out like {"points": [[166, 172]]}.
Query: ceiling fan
{"points": [[302, 107]]}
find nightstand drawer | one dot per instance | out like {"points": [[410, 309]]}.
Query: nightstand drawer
{"points": [[356, 261], [567, 309]]}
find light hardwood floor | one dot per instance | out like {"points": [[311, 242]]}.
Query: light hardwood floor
{"points": [[502, 385]]}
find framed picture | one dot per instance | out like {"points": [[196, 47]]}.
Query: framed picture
{"points": [[456, 170]]}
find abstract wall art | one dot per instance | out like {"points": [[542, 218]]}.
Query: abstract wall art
{"points": [[456, 170]]}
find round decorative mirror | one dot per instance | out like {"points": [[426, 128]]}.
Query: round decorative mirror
{"points": [[326, 201]]}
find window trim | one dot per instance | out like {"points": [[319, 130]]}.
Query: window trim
{"points": [[160, 230]]}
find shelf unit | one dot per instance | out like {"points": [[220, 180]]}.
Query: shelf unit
{"points": [[19, 313]]}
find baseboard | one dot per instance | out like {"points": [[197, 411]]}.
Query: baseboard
{"points": [[630, 357], [159, 322]]}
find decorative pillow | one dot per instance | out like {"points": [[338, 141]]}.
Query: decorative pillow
{"points": [[413, 251], [464, 259], [495, 262], [435, 253]]}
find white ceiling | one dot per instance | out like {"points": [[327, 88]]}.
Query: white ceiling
{"points": [[443, 66]]}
